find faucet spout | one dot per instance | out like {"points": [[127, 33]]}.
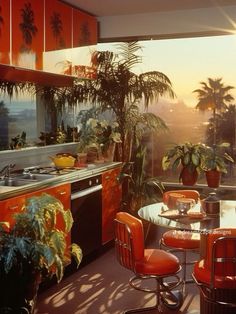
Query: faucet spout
{"points": [[6, 171]]}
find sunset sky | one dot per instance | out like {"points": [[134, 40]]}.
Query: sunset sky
{"points": [[188, 61]]}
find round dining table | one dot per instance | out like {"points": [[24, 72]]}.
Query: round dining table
{"points": [[159, 214]]}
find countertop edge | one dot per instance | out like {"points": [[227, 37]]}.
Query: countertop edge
{"points": [[66, 178]]}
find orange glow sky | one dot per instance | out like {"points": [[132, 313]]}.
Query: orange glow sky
{"points": [[188, 61]]}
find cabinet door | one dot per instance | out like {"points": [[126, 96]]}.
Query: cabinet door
{"points": [[111, 200], [10, 207]]}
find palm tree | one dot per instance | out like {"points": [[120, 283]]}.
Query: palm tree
{"points": [[122, 91], [215, 96], [29, 30]]}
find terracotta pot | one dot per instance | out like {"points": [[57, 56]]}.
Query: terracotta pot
{"points": [[189, 177], [213, 178]]}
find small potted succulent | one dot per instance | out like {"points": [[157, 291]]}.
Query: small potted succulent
{"points": [[187, 157], [214, 162], [34, 248]]}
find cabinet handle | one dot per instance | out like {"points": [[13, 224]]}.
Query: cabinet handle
{"points": [[62, 193], [107, 177], [14, 207]]}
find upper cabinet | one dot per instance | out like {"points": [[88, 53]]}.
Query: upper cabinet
{"points": [[47, 36], [58, 25], [5, 31], [27, 33], [84, 29]]}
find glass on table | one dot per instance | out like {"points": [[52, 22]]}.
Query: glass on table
{"points": [[184, 205]]}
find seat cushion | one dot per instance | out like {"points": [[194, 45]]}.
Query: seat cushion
{"points": [[181, 239], [203, 275], [157, 262]]}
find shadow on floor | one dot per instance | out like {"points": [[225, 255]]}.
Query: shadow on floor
{"points": [[101, 287]]}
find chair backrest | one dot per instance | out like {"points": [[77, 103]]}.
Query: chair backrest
{"points": [[221, 256], [129, 239]]}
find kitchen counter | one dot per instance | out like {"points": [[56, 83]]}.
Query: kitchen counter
{"points": [[92, 170]]}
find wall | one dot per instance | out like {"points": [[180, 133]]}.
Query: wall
{"points": [[35, 156], [168, 24]]}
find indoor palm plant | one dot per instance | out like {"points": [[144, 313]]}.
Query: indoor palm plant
{"points": [[187, 157], [214, 162], [32, 249], [141, 189]]}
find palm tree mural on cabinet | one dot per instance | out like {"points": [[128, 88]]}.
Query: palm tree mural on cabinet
{"points": [[27, 33], [84, 29], [57, 28], [5, 31], [27, 26], [58, 25]]}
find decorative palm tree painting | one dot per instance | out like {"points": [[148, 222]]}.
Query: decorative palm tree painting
{"points": [[84, 29], [27, 33], [58, 25], [5, 31]]}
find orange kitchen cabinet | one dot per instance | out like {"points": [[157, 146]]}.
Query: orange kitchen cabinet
{"points": [[111, 200], [15, 204]]}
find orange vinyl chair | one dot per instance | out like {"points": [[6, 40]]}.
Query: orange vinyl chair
{"points": [[178, 240], [155, 264], [215, 274]]}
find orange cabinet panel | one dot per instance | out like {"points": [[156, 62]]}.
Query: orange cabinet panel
{"points": [[5, 31], [84, 29], [111, 200], [10, 207], [58, 25], [27, 33], [15, 204]]}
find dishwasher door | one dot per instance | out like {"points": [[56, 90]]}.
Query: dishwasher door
{"points": [[86, 207]]}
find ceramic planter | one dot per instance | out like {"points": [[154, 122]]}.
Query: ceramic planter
{"points": [[213, 178], [189, 177]]}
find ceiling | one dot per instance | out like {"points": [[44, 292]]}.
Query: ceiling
{"points": [[102, 8]]}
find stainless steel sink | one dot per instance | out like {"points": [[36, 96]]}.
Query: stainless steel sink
{"points": [[15, 182], [35, 176]]}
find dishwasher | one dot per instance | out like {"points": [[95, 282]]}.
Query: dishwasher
{"points": [[86, 208]]}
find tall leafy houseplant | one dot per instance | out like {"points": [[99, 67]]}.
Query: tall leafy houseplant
{"points": [[142, 190], [34, 248], [121, 90], [187, 157]]}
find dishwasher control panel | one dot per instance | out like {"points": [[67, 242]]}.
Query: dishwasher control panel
{"points": [[85, 183]]}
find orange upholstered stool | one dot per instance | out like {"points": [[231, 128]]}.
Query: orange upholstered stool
{"points": [[181, 241], [154, 264]]}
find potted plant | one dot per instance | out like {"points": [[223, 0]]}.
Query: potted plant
{"points": [[214, 163], [188, 157], [141, 189], [33, 249]]}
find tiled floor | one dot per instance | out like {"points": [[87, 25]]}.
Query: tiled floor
{"points": [[102, 287]]}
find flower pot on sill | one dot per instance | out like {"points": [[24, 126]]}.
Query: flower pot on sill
{"points": [[189, 177], [213, 178]]}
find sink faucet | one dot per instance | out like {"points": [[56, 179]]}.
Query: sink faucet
{"points": [[6, 171]]}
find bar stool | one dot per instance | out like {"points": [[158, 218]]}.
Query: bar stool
{"points": [[184, 242], [155, 264], [178, 240], [215, 274]]}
